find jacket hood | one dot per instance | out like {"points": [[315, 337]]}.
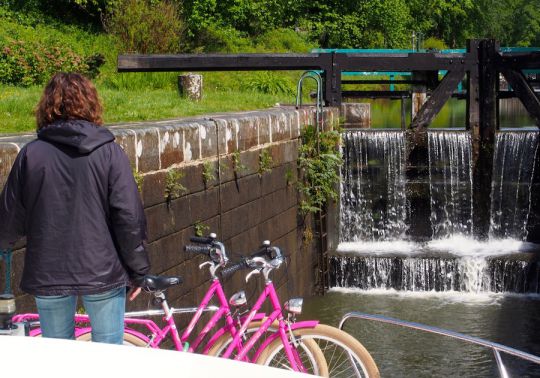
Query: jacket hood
{"points": [[80, 134]]}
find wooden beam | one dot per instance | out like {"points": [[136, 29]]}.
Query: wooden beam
{"points": [[221, 62], [524, 92], [438, 98]]}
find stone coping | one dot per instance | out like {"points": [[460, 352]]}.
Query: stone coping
{"points": [[158, 145]]}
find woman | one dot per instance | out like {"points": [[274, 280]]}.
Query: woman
{"points": [[71, 192]]}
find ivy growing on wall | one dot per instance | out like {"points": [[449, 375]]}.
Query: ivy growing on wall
{"points": [[319, 164], [173, 186]]}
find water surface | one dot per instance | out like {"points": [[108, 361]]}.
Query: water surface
{"points": [[511, 320]]}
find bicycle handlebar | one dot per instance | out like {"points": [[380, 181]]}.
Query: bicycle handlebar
{"points": [[203, 249], [234, 268]]}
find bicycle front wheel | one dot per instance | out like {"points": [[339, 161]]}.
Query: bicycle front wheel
{"points": [[308, 354], [345, 356]]}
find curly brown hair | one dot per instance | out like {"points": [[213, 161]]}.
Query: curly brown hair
{"points": [[69, 96]]}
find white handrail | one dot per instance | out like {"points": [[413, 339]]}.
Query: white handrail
{"points": [[444, 332]]}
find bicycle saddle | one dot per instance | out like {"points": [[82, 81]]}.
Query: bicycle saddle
{"points": [[156, 283]]}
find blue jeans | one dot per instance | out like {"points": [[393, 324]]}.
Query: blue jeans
{"points": [[106, 312]]}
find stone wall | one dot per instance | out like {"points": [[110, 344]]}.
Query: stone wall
{"points": [[243, 205]]}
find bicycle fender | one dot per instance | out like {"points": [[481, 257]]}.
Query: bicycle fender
{"points": [[297, 325]]}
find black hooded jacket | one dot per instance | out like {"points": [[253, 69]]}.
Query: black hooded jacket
{"points": [[72, 194]]}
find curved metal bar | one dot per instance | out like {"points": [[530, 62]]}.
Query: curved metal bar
{"points": [[319, 105], [456, 335]]}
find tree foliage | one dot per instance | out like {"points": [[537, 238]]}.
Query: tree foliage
{"points": [[240, 25]]}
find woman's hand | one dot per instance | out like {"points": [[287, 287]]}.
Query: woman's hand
{"points": [[133, 293]]}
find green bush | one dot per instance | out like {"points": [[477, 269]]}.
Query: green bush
{"points": [[434, 43], [31, 63], [269, 82], [216, 38], [282, 41], [145, 26]]}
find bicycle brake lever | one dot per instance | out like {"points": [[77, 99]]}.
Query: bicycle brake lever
{"points": [[254, 271]]}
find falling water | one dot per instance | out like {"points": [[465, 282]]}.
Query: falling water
{"points": [[513, 168], [450, 186], [373, 203], [470, 274], [374, 252]]}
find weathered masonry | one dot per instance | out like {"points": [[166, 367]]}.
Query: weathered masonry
{"points": [[233, 174]]}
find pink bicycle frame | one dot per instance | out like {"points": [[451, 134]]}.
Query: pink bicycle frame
{"points": [[159, 334], [276, 314]]}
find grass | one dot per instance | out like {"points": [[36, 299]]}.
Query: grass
{"points": [[141, 96], [17, 104]]}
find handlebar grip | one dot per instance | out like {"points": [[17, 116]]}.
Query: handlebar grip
{"points": [[234, 268], [204, 249], [201, 240]]}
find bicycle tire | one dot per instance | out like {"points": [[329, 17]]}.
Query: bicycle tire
{"points": [[311, 356], [336, 346], [129, 339]]}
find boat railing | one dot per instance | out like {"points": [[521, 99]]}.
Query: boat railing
{"points": [[495, 347]]}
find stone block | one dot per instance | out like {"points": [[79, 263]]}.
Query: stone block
{"points": [[281, 126], [128, 141], [193, 178], [25, 304], [239, 192], [192, 147], [240, 219], [8, 154], [208, 139], [160, 221], [171, 145], [148, 149], [179, 208], [153, 188], [203, 205]]}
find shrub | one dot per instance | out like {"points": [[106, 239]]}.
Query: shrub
{"points": [[434, 43], [270, 83], [216, 38], [283, 40], [32, 63], [145, 26]]}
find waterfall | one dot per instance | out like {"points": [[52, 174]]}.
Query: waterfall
{"points": [[513, 168], [471, 274], [374, 252], [450, 183], [373, 203]]}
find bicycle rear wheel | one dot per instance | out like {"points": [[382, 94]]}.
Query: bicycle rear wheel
{"points": [[129, 339], [345, 356]]}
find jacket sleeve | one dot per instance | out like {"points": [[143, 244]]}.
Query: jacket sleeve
{"points": [[12, 210], [127, 215]]}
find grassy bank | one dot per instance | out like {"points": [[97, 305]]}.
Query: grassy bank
{"points": [[17, 104], [126, 96]]}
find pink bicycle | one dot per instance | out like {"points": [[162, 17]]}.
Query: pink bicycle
{"points": [[157, 285], [286, 343], [273, 340]]}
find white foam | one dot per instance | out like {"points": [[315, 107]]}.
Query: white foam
{"points": [[447, 296], [379, 247], [457, 245], [460, 245]]}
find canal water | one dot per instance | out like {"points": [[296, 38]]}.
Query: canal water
{"points": [[488, 289], [512, 320], [386, 113]]}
